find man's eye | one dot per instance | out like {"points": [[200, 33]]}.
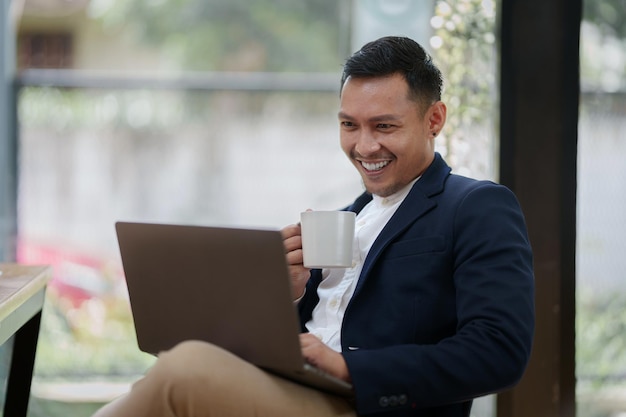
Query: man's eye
{"points": [[384, 126], [347, 124]]}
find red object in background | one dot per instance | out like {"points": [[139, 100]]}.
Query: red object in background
{"points": [[76, 278]]}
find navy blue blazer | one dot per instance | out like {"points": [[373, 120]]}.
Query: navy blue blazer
{"points": [[443, 311]]}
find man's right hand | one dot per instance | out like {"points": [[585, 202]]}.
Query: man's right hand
{"points": [[292, 239]]}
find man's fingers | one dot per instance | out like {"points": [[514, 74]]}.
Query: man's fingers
{"points": [[294, 257], [292, 239]]}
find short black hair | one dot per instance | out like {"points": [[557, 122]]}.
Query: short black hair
{"points": [[394, 54]]}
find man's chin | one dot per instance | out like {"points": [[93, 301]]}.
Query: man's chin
{"points": [[380, 190]]}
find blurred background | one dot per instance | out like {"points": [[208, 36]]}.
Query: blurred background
{"points": [[223, 112]]}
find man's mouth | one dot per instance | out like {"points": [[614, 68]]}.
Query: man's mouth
{"points": [[374, 166]]}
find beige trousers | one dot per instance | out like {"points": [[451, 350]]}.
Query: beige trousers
{"points": [[197, 379]]}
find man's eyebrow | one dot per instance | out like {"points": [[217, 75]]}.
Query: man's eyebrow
{"points": [[384, 118], [379, 118]]}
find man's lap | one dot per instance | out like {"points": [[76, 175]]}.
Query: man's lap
{"points": [[200, 379]]}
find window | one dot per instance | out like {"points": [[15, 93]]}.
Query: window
{"points": [[44, 50]]}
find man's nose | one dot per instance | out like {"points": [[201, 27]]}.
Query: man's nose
{"points": [[366, 144]]}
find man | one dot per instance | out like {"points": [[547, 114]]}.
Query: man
{"points": [[438, 307]]}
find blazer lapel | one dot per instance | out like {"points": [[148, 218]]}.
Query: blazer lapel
{"points": [[414, 206]]}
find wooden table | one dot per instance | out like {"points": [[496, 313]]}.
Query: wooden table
{"points": [[22, 294]]}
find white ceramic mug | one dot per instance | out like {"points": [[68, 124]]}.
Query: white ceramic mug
{"points": [[327, 238]]}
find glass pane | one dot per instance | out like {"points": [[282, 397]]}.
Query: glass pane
{"points": [[89, 157], [254, 159], [601, 288], [167, 36]]}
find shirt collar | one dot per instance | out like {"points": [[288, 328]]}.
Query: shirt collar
{"points": [[394, 198]]}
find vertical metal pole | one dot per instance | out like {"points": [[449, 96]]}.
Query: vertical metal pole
{"points": [[8, 136]]}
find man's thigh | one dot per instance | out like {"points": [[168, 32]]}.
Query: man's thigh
{"points": [[200, 379]]}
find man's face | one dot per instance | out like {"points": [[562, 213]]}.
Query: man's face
{"points": [[388, 138]]}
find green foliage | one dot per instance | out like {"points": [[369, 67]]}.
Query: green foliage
{"points": [[601, 341], [237, 35], [603, 46], [93, 340], [465, 48], [88, 109], [608, 15]]}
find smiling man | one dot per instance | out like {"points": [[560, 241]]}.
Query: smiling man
{"points": [[386, 132], [438, 307]]}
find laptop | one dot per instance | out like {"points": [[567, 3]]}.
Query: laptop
{"points": [[226, 286]]}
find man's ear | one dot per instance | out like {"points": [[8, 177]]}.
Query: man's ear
{"points": [[437, 117]]}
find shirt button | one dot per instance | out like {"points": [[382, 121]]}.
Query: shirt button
{"points": [[333, 303]]}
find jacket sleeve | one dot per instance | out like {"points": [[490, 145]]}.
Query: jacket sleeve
{"points": [[485, 266]]}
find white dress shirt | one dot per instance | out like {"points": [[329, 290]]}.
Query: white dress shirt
{"points": [[338, 284]]}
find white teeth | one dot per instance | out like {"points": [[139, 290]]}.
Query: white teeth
{"points": [[374, 167]]}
